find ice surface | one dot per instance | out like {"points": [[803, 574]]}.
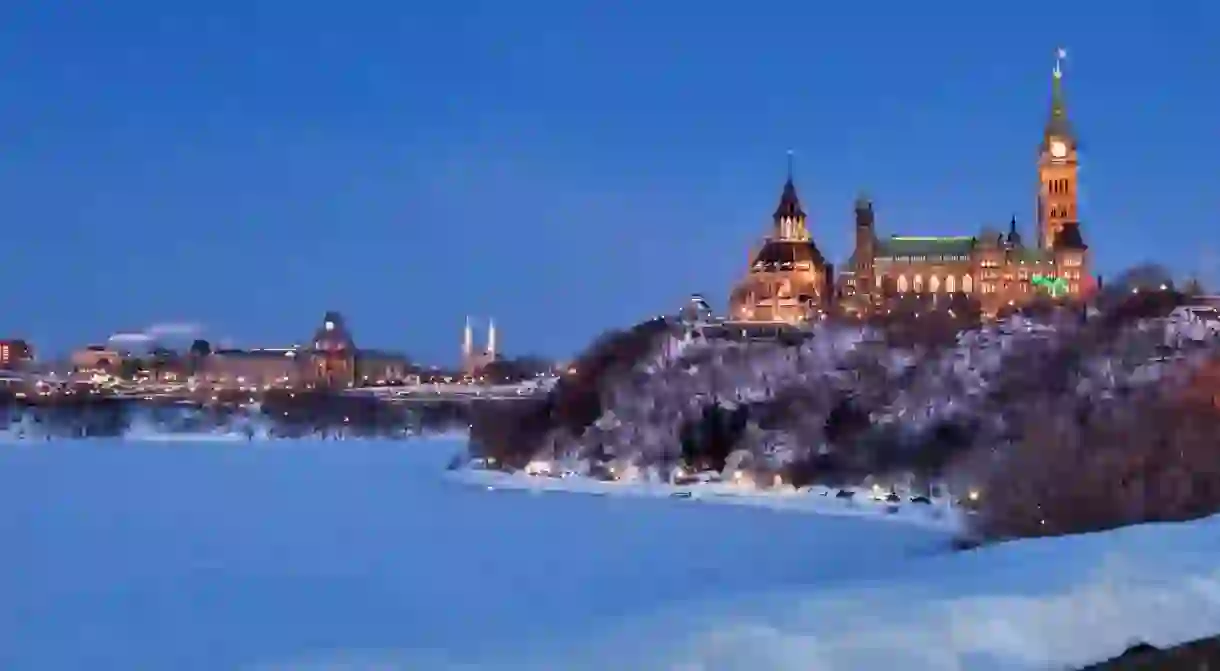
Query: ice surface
{"points": [[255, 555], [363, 555]]}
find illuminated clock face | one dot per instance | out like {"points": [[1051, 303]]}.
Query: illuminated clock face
{"points": [[1058, 149]]}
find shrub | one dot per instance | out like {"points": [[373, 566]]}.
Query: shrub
{"points": [[708, 440], [1078, 468], [576, 400], [510, 432]]}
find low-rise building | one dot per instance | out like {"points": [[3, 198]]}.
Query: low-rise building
{"points": [[329, 359], [15, 353], [96, 357], [249, 368]]}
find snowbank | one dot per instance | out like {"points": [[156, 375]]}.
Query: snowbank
{"points": [[1043, 604], [818, 501]]}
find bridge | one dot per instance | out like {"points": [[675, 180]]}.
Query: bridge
{"points": [[425, 392]]}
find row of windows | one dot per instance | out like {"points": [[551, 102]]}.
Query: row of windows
{"points": [[787, 265], [992, 287], [950, 284], [988, 262], [935, 284], [924, 258], [1062, 211], [1059, 186]]}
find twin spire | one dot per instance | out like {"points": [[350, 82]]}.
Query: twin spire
{"points": [[468, 339]]}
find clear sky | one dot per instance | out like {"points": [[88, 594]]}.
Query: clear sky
{"points": [[562, 166]]}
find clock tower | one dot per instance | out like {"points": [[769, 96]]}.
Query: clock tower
{"points": [[1057, 166]]}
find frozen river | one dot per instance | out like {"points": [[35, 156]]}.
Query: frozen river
{"points": [[210, 556]]}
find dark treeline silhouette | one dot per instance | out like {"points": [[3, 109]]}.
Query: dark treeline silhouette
{"points": [[282, 414], [513, 433]]}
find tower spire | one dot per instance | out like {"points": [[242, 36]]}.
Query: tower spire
{"points": [[1058, 125], [1014, 238], [789, 217], [491, 338]]}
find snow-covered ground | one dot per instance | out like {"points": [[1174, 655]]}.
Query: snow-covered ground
{"points": [[364, 555]]}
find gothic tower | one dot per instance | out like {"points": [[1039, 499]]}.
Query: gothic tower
{"points": [[866, 249], [1057, 166]]}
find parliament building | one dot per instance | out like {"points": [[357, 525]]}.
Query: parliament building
{"points": [[790, 281]]}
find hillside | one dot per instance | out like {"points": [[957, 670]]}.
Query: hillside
{"points": [[1100, 419]]}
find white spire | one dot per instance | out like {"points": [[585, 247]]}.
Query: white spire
{"points": [[468, 340], [1060, 55], [491, 338]]}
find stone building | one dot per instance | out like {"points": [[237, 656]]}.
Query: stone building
{"points": [[329, 359], [236, 368], [997, 270], [787, 280]]}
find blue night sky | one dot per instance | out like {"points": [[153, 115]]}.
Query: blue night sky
{"points": [[562, 166]]}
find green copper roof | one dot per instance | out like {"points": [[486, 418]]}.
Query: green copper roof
{"points": [[917, 245]]}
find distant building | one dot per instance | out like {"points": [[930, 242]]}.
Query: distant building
{"points": [[252, 368], [15, 353], [473, 361], [329, 359], [96, 357], [696, 311], [332, 358]]}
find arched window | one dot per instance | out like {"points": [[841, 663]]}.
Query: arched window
{"points": [[902, 284], [918, 284], [967, 284], [951, 283], [934, 284]]}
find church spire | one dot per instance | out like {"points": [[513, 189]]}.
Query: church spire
{"points": [[467, 340], [1057, 125], [1014, 237]]}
